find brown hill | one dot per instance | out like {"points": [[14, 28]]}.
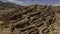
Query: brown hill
{"points": [[57, 9], [33, 19]]}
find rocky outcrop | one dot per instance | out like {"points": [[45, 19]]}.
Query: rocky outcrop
{"points": [[33, 19]]}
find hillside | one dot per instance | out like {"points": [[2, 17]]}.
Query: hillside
{"points": [[57, 8], [8, 7], [33, 19]]}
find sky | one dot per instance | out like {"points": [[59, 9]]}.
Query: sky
{"points": [[29, 2]]}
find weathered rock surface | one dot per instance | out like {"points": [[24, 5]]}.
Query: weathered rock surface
{"points": [[33, 19]]}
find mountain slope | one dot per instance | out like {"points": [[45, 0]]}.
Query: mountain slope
{"points": [[8, 7], [33, 19]]}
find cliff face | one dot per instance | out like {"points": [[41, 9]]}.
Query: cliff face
{"points": [[33, 19]]}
